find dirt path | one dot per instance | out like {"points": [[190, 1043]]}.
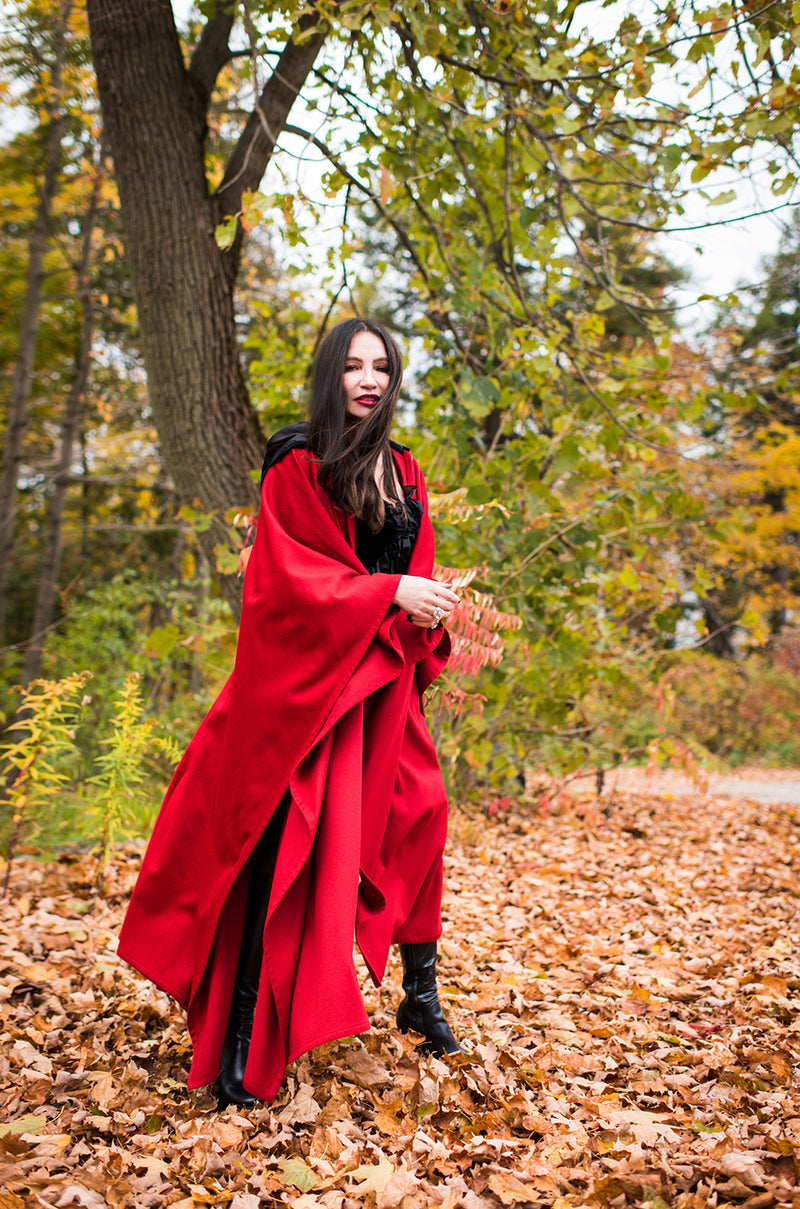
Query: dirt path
{"points": [[758, 784]]}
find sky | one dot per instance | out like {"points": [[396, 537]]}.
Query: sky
{"points": [[730, 253]]}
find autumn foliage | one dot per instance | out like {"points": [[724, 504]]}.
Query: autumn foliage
{"points": [[622, 972]]}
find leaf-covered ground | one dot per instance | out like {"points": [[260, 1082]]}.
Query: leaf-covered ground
{"points": [[624, 972]]}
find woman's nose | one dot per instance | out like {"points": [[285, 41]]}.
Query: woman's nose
{"points": [[367, 375]]}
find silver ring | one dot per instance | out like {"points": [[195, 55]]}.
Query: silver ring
{"points": [[438, 614]]}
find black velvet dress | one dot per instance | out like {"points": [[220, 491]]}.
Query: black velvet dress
{"points": [[389, 550]]}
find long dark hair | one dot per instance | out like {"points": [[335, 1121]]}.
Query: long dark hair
{"points": [[348, 449]]}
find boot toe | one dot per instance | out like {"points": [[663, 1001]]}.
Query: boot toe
{"points": [[432, 1026], [232, 1067]]}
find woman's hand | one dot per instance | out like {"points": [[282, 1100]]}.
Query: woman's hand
{"points": [[419, 598]]}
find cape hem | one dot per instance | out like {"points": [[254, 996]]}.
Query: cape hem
{"points": [[156, 979], [268, 1095], [426, 939]]}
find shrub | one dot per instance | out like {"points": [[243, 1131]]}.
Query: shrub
{"points": [[737, 712], [39, 759]]}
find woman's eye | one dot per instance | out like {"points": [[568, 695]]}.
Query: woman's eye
{"points": [[378, 369]]}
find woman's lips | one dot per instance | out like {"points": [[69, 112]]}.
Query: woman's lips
{"points": [[368, 400]]}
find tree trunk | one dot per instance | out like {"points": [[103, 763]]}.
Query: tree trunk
{"points": [[29, 329], [51, 558], [154, 118]]}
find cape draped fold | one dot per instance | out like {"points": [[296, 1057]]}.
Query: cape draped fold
{"points": [[324, 700]]}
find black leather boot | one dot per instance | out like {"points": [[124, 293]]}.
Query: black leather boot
{"points": [[420, 1010], [245, 993], [248, 972]]}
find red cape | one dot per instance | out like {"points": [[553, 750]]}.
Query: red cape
{"points": [[324, 699]]}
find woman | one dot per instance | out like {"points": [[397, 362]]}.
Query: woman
{"points": [[310, 804]]}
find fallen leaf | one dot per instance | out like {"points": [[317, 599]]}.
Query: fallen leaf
{"points": [[744, 1165], [365, 1070], [509, 1189], [564, 1095], [370, 1177], [400, 1190], [30, 1123], [297, 1174]]}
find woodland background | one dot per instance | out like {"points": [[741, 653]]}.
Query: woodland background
{"points": [[615, 484], [499, 182]]}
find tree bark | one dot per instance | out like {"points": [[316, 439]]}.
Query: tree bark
{"points": [[29, 329], [53, 530], [154, 116]]}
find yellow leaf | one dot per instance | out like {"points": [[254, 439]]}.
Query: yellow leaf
{"points": [[371, 1177], [9, 1201], [31, 1123], [387, 1120]]}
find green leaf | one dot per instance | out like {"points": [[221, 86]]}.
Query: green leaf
{"points": [[199, 521], [162, 641], [629, 579], [695, 409], [783, 186], [225, 232], [672, 156], [227, 560], [479, 493], [297, 1174], [478, 394]]}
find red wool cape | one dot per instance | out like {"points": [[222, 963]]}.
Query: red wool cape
{"points": [[324, 700]]}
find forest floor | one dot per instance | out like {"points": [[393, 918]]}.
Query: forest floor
{"points": [[624, 974]]}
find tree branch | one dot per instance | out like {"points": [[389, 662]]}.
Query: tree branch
{"points": [[252, 152], [212, 51], [343, 171]]}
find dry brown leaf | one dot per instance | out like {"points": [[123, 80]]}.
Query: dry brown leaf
{"points": [[74, 1194], [401, 1191], [365, 1070], [509, 1189], [625, 982], [745, 1166]]}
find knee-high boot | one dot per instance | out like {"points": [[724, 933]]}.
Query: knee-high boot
{"points": [[420, 1010], [248, 971], [245, 993]]}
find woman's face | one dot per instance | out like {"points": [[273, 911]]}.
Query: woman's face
{"points": [[366, 374]]}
